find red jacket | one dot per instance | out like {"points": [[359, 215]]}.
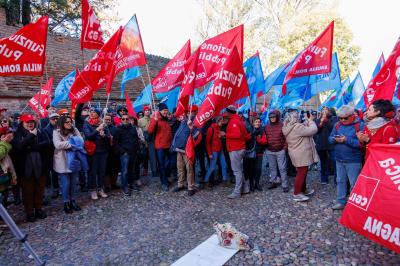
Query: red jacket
{"points": [[387, 134], [213, 141], [163, 133], [236, 134]]}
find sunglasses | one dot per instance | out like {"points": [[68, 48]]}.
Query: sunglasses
{"points": [[124, 119], [343, 118], [54, 118]]}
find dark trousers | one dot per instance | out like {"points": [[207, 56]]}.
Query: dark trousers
{"points": [[32, 193], [300, 182], [324, 159], [200, 151], [112, 169], [97, 171], [164, 164], [153, 160], [249, 169], [258, 170]]}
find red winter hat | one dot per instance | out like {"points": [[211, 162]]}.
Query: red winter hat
{"points": [[146, 108], [26, 118], [195, 108]]}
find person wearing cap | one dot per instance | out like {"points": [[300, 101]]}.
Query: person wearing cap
{"points": [[63, 112], [143, 123], [53, 176], [162, 141], [348, 152], [120, 112], [236, 138], [126, 142], [184, 167], [96, 132], [379, 125], [276, 152], [45, 121], [302, 151], [31, 162]]}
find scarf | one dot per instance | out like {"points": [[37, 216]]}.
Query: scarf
{"points": [[94, 121], [377, 123], [349, 121]]}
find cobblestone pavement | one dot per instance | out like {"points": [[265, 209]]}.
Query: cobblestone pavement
{"points": [[153, 228]]}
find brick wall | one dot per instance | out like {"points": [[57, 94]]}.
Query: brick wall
{"points": [[63, 55]]}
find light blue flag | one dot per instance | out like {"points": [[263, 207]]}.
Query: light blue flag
{"points": [[396, 100], [144, 98], [254, 76], [272, 79], [129, 74], [62, 90], [198, 97], [275, 102], [336, 99], [355, 91], [170, 98]]}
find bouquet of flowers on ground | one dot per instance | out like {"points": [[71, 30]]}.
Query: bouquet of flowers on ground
{"points": [[229, 237]]}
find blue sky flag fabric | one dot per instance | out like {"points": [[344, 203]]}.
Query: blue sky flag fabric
{"points": [[335, 99], [355, 91], [129, 74], [254, 76], [144, 98], [62, 89], [170, 98]]}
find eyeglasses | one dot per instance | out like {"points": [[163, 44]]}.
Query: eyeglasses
{"points": [[343, 118], [124, 119]]}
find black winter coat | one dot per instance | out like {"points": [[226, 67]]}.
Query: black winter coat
{"points": [[126, 140]]}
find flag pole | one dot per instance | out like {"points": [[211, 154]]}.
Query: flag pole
{"points": [[148, 76], [83, 67]]}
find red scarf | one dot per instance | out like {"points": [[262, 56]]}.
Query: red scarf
{"points": [[94, 121]]}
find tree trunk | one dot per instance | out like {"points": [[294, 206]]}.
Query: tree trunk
{"points": [[13, 12], [26, 12]]}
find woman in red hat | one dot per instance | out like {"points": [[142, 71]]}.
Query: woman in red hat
{"points": [[30, 160]]}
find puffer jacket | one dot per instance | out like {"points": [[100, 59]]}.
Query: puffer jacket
{"points": [[301, 145], [236, 134], [274, 134], [162, 131], [213, 141]]}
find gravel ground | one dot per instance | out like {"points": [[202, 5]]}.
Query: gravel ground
{"points": [[154, 228]]}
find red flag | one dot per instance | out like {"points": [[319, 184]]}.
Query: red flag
{"points": [[190, 151], [373, 208], [383, 85], [315, 59], [229, 86], [204, 64], [129, 106], [171, 76], [42, 99], [91, 34], [97, 72], [130, 52], [24, 53]]}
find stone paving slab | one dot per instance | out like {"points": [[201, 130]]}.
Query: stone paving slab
{"points": [[154, 228]]}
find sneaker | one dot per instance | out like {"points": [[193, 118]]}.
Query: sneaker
{"points": [[272, 185], [177, 189], [74, 206], [300, 197], [309, 192], [126, 194], [39, 213], [135, 188], [102, 194], [338, 206], [191, 192], [164, 188], [285, 190], [93, 195], [233, 196]]}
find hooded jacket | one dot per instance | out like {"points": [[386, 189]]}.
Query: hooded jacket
{"points": [[236, 134], [275, 137]]}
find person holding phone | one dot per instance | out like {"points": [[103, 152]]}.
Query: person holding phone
{"points": [[302, 152], [348, 152]]}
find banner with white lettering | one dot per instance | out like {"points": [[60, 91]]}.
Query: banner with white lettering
{"points": [[24, 53], [315, 59], [229, 86], [92, 34], [373, 208], [42, 99]]}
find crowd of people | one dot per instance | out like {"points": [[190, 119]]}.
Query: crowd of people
{"points": [[103, 150]]}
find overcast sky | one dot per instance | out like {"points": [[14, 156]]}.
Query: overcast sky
{"points": [[166, 25]]}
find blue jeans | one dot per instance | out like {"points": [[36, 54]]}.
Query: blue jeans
{"points": [[68, 185], [127, 170], [97, 171], [346, 171], [213, 163], [163, 164]]}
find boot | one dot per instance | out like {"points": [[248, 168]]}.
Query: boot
{"points": [[67, 208], [74, 206]]}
